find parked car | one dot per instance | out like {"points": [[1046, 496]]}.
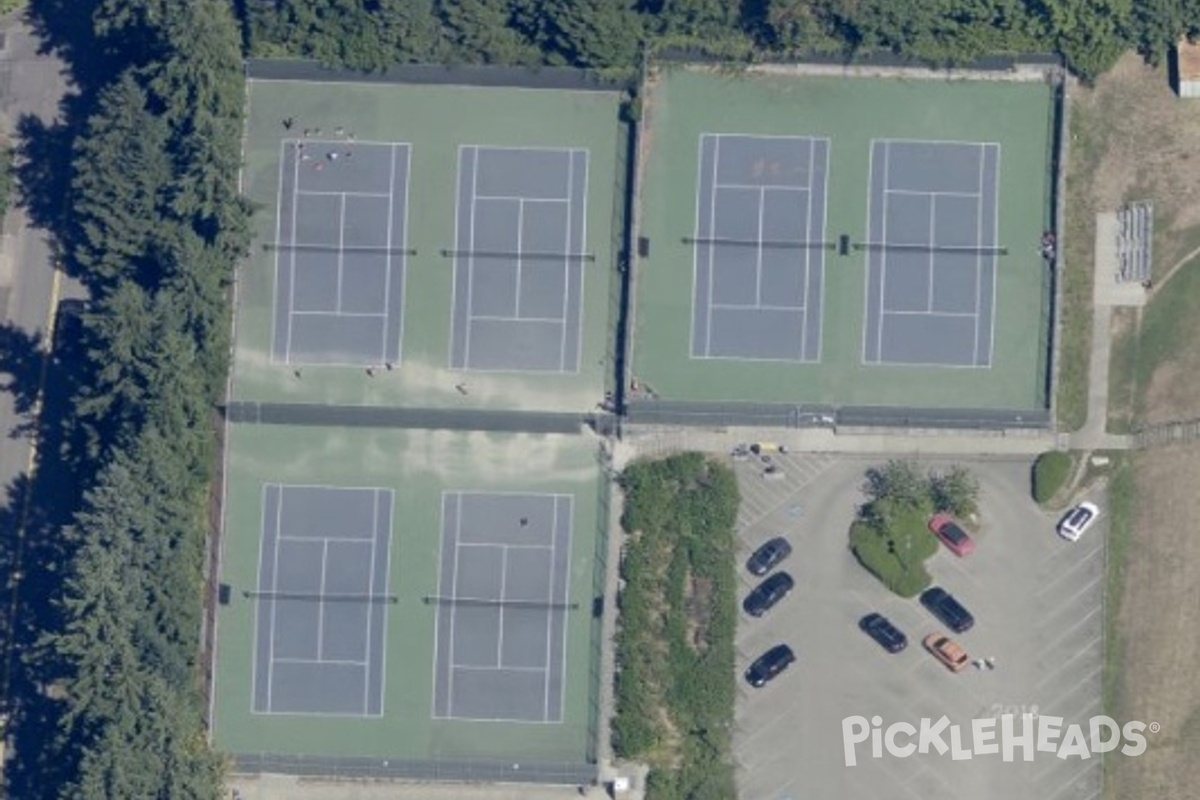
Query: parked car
{"points": [[1077, 521], [767, 557], [767, 666], [947, 609], [952, 535], [947, 651], [768, 593], [881, 629]]}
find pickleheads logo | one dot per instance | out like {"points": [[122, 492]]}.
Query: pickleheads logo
{"points": [[984, 737]]}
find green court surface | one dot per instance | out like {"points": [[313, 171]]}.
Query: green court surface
{"points": [[418, 466], [682, 104], [435, 121]]}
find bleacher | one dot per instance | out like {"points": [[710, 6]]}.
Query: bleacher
{"points": [[1135, 231]]}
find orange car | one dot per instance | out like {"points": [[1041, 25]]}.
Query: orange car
{"points": [[947, 651]]}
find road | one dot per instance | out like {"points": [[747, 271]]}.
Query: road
{"points": [[30, 84]]}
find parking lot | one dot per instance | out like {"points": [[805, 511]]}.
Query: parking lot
{"points": [[1037, 602]]}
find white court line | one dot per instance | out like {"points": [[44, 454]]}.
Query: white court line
{"points": [[437, 619], [979, 256], [341, 258], [333, 662], [497, 148], [883, 255], [696, 249], [454, 266], [348, 539], [262, 542], [495, 318], [562, 342], [762, 307], [932, 239], [278, 232], [519, 198], [512, 546], [387, 270], [322, 193], [500, 623], [891, 313], [287, 351], [453, 593], [390, 494], [867, 256], [712, 231], [824, 228], [520, 265], [587, 175], [758, 187], [758, 248], [477, 668], [370, 608], [321, 598], [274, 605], [995, 241], [807, 254], [550, 615], [562, 670], [933, 193], [348, 314], [470, 271]]}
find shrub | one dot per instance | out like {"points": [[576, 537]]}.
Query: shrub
{"points": [[955, 491], [1050, 474], [896, 555]]}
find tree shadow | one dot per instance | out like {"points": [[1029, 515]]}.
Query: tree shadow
{"points": [[21, 361]]}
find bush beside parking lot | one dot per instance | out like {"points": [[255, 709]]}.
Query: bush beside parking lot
{"points": [[1051, 471], [891, 538], [678, 612]]}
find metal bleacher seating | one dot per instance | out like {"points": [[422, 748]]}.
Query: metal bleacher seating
{"points": [[1135, 230]]}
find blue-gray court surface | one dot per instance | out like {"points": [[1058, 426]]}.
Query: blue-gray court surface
{"points": [[932, 250], [322, 601], [340, 252], [759, 259], [502, 604], [519, 231], [342, 247]]}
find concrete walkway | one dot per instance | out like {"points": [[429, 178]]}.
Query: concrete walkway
{"points": [[1107, 294]]}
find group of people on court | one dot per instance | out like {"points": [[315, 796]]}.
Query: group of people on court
{"points": [[331, 154]]}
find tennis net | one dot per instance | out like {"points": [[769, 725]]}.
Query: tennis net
{"points": [[436, 600]]}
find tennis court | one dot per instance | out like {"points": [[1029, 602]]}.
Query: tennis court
{"points": [[932, 253], [520, 233], [321, 600], [759, 252], [431, 245], [340, 252], [844, 242], [502, 602], [392, 614]]}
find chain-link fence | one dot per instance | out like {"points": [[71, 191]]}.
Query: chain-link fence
{"points": [[481, 770]]}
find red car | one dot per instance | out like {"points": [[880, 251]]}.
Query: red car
{"points": [[952, 535]]}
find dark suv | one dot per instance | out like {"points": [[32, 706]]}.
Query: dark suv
{"points": [[770, 664], [767, 557], [768, 593], [881, 629], [947, 609]]}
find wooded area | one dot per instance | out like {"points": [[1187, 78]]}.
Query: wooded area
{"points": [[138, 185], [610, 34]]}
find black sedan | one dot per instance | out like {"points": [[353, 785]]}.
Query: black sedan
{"points": [[769, 665], [767, 557], [881, 629], [768, 593]]}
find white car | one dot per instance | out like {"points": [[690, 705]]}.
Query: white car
{"points": [[1077, 521]]}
